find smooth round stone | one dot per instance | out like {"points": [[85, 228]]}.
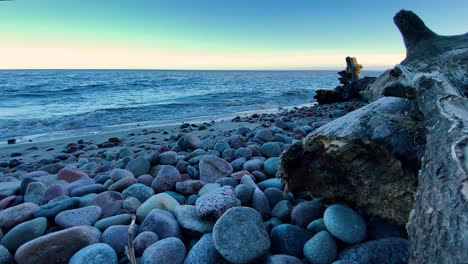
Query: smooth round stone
{"points": [[271, 149], [80, 183], [138, 166], [121, 219], [240, 235], [271, 166], [228, 154], [86, 200], [5, 256], [389, 250], [69, 175], [122, 184], [190, 186], [57, 247], [275, 183], [221, 146], [273, 195], [99, 253], [189, 141], [243, 153], [108, 183], [118, 174], [145, 179], [110, 203], [264, 135], [205, 252], [179, 197], [84, 190], [17, 214], [213, 168], [34, 192], [260, 203], [117, 237], [143, 241], [253, 165], [306, 212], [345, 224], [54, 207], [288, 239], [316, 226], [23, 233], [207, 188], [165, 179], [282, 259], [162, 223], [244, 193], [168, 158], [131, 204], [189, 219], [282, 210], [139, 191], [54, 191], [76, 217], [161, 201], [238, 164], [170, 250], [212, 205], [243, 131], [321, 248]]}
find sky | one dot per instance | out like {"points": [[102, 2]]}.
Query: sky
{"points": [[212, 34]]}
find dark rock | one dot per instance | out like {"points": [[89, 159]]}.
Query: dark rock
{"points": [[54, 207], [122, 184], [5, 256], [282, 259], [168, 158], [316, 226], [282, 210], [306, 212], [84, 190], [35, 192], [189, 219], [143, 241], [289, 239], [118, 174], [189, 187], [271, 149], [138, 166], [264, 135], [121, 219], [54, 191]]}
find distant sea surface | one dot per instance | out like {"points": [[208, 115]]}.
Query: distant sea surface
{"points": [[55, 103]]}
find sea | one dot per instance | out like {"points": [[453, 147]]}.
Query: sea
{"points": [[38, 105]]}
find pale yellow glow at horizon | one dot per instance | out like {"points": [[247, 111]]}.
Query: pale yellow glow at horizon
{"points": [[82, 57]]}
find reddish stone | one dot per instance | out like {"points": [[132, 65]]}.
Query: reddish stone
{"points": [[238, 175], [6, 201], [69, 175]]}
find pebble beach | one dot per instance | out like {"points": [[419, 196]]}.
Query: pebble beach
{"points": [[199, 193]]}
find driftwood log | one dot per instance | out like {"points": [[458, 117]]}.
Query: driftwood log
{"points": [[435, 76], [436, 67]]}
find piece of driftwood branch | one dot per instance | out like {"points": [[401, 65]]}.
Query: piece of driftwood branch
{"points": [[130, 250]]}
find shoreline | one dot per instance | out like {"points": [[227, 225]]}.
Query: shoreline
{"points": [[32, 152]]}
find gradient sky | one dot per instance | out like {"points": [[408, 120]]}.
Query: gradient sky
{"points": [[212, 34]]}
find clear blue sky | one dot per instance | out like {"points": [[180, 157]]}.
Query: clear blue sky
{"points": [[212, 34]]}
